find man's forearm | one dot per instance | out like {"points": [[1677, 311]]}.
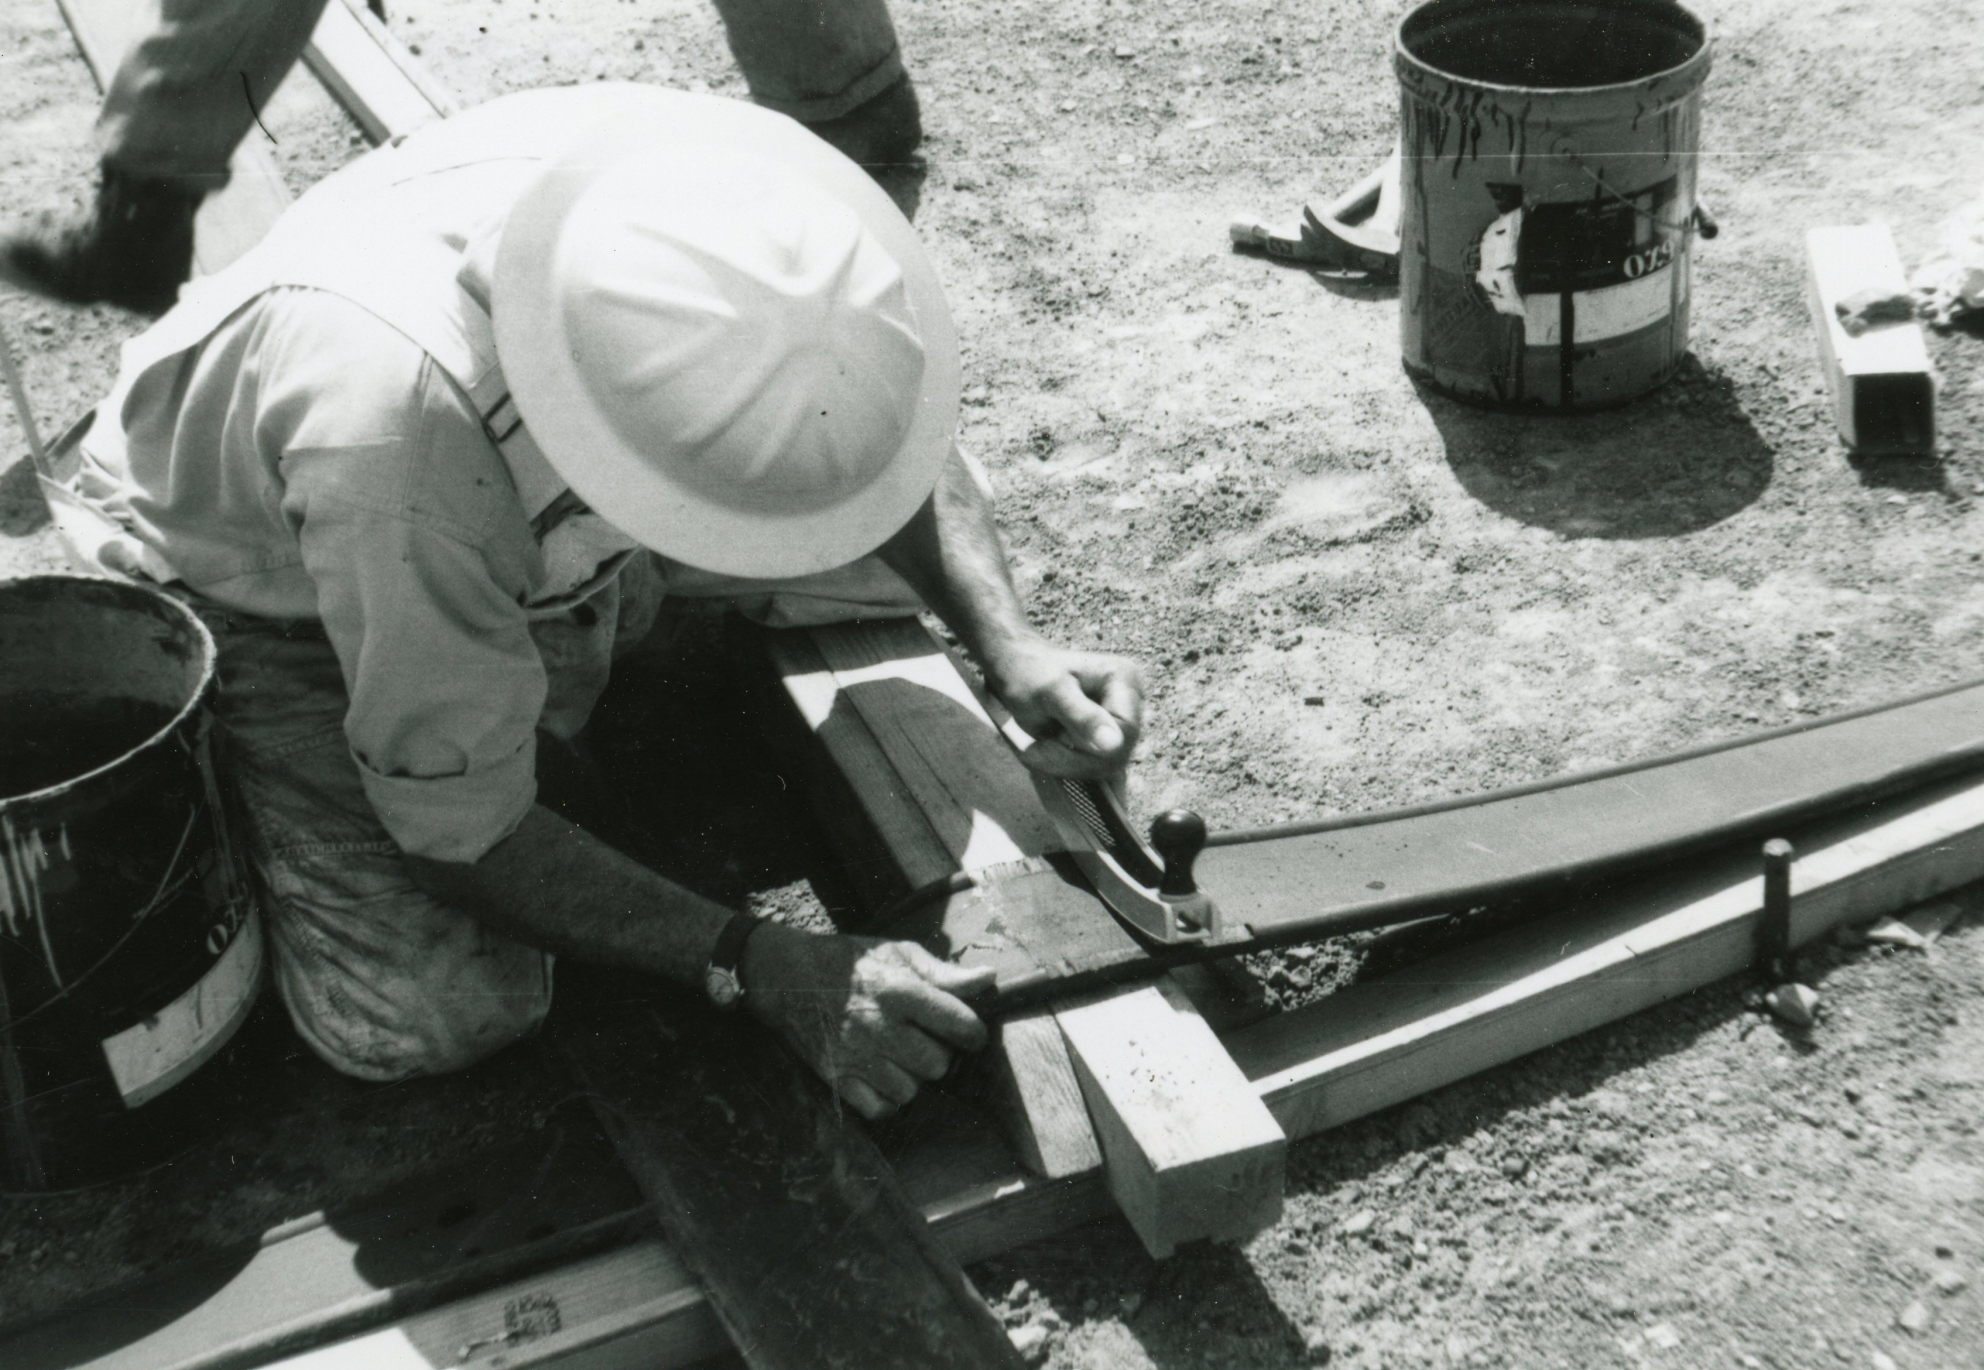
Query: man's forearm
{"points": [[557, 887], [951, 556]]}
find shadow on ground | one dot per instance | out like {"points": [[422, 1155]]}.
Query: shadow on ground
{"points": [[1676, 461], [1921, 475], [1205, 1305]]}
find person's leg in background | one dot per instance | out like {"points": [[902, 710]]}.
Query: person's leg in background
{"points": [[185, 94], [833, 65], [182, 98]]}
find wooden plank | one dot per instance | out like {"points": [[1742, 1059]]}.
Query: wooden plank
{"points": [[639, 1309], [1533, 843], [1377, 1044], [536, 1205], [916, 854], [939, 739], [779, 1205], [1883, 393], [1189, 1149], [631, 1309], [231, 220], [1039, 1098], [369, 72]]}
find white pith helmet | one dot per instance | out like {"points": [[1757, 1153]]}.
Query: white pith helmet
{"points": [[726, 338]]}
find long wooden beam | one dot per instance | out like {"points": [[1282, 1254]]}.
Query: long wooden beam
{"points": [[1882, 386], [1377, 1044]]}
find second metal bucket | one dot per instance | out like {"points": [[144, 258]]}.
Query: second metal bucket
{"points": [[1547, 196]]}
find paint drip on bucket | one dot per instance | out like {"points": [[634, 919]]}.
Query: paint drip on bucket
{"points": [[1548, 196]]}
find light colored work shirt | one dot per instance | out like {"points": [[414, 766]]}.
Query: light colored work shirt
{"points": [[309, 461]]}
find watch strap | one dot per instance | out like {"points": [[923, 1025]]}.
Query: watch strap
{"points": [[729, 949]]}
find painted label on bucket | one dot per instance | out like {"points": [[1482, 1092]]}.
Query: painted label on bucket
{"points": [[148, 1058]]}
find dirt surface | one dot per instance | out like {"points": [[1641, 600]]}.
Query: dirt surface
{"points": [[1353, 593]]}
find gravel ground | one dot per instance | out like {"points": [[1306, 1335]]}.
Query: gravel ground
{"points": [[1214, 461]]}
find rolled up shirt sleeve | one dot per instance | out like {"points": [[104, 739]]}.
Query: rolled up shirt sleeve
{"points": [[403, 520], [445, 683]]}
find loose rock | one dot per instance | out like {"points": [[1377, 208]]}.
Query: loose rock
{"points": [[1794, 1003], [1915, 1317], [1030, 1341]]}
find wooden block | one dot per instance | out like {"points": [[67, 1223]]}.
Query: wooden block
{"points": [[1883, 393], [1377, 1044], [371, 74], [779, 1205], [1189, 1149]]}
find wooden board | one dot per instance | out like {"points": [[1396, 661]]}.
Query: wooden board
{"points": [[1040, 1097], [371, 74], [1540, 842], [1882, 388], [1383, 1042], [631, 1309], [548, 1200], [780, 1206], [231, 220], [1189, 1149]]}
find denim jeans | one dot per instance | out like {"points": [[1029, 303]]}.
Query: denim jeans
{"points": [[176, 108], [380, 979]]}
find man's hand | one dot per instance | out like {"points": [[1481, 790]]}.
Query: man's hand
{"points": [[877, 1020], [1084, 709]]}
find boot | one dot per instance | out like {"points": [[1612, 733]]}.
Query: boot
{"points": [[881, 131], [133, 248]]}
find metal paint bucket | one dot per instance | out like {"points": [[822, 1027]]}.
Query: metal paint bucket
{"points": [[1548, 196], [128, 956]]}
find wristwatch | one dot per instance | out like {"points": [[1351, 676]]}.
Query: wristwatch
{"points": [[721, 981]]}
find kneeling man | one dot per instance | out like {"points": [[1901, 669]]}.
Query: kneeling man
{"points": [[438, 449]]}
